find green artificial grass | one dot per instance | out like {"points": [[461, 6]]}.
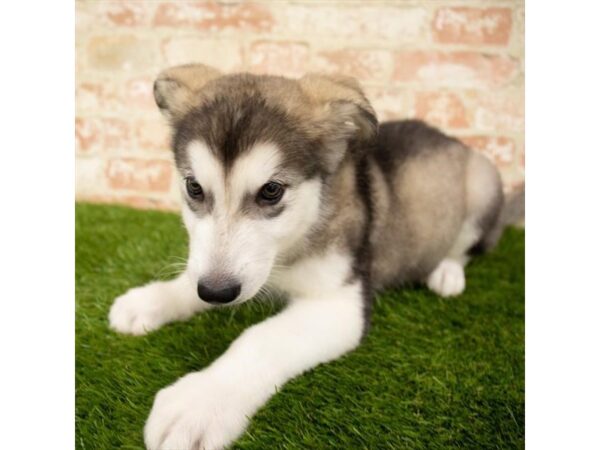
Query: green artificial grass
{"points": [[431, 374]]}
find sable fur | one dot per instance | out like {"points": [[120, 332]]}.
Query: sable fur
{"points": [[365, 206], [397, 197]]}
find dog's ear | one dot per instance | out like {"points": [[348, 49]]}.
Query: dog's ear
{"points": [[342, 114], [175, 88]]}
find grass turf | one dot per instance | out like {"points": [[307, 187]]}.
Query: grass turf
{"points": [[432, 373]]}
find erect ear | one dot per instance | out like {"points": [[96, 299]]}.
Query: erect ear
{"points": [[175, 88], [342, 116], [340, 107]]}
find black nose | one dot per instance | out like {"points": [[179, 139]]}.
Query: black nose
{"points": [[218, 294]]}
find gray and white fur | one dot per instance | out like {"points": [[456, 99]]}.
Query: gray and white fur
{"points": [[291, 185]]}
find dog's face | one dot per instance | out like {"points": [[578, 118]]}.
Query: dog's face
{"points": [[254, 154]]}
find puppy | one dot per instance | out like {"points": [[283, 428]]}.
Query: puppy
{"points": [[292, 184]]}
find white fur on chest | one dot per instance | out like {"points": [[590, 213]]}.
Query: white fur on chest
{"points": [[315, 275]]}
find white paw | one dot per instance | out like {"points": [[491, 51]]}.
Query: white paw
{"points": [[448, 278], [142, 309], [198, 412]]}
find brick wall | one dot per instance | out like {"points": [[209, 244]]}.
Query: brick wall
{"points": [[457, 64]]}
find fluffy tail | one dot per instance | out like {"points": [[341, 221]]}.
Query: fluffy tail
{"points": [[512, 213], [513, 210]]}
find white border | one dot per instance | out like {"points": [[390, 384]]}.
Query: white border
{"points": [[37, 234], [563, 225]]}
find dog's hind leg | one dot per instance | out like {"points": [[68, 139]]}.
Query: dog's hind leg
{"points": [[148, 307], [480, 228]]}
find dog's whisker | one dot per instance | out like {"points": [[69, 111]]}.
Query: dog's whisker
{"points": [[171, 270]]}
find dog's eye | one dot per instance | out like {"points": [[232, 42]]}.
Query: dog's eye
{"points": [[270, 193], [194, 189]]}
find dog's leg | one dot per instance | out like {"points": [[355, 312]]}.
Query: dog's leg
{"points": [[448, 278], [211, 408], [483, 204], [148, 307]]}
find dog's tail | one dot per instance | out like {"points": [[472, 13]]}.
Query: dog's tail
{"points": [[513, 210], [511, 213]]}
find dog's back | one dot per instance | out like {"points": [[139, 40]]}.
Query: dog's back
{"points": [[433, 198]]}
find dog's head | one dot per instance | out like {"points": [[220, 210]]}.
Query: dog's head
{"points": [[254, 153]]}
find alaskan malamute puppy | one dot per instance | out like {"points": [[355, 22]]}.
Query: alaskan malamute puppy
{"points": [[292, 184]]}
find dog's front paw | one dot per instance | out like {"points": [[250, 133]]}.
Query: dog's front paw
{"points": [[448, 278], [146, 308], [198, 412]]}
